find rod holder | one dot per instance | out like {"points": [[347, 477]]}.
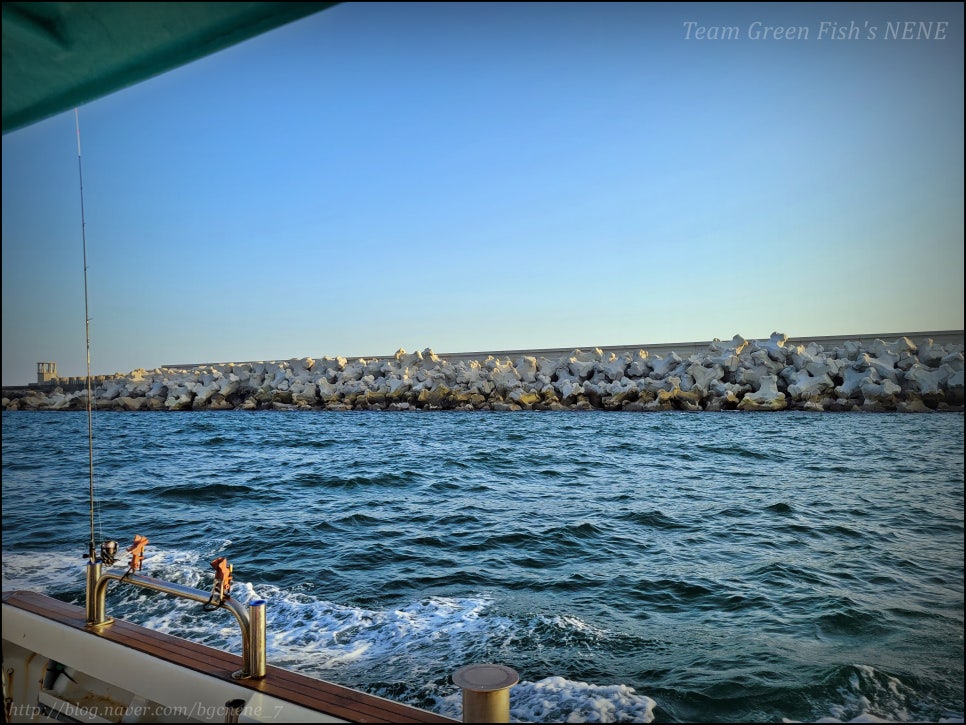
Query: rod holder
{"points": [[253, 638], [486, 692], [94, 607], [256, 633]]}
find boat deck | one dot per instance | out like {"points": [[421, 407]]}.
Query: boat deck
{"points": [[335, 700]]}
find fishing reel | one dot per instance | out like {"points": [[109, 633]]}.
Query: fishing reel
{"points": [[108, 555], [109, 552]]}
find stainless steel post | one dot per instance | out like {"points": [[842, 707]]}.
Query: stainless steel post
{"points": [[256, 631], [93, 605]]}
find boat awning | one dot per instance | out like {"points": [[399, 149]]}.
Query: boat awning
{"points": [[59, 55]]}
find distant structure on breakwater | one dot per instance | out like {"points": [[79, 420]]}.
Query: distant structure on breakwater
{"points": [[912, 372], [46, 373]]}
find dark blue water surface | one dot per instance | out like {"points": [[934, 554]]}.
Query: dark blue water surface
{"points": [[666, 566]]}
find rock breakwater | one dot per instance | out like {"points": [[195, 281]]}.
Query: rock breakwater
{"points": [[764, 375]]}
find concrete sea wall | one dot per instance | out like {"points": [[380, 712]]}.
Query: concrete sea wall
{"points": [[905, 373]]}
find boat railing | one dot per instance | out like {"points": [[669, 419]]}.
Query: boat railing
{"points": [[250, 617], [485, 686]]}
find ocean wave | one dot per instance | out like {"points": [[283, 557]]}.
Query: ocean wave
{"points": [[651, 519], [864, 694]]}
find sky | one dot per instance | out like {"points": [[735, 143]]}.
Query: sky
{"points": [[498, 176]]}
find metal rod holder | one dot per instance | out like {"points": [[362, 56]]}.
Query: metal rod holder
{"points": [[256, 636], [253, 634]]}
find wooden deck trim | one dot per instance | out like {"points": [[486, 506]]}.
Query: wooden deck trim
{"points": [[319, 695]]}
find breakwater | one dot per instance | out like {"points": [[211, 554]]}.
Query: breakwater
{"points": [[905, 374]]}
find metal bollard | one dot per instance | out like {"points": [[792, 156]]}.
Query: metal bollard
{"points": [[486, 692], [233, 709]]}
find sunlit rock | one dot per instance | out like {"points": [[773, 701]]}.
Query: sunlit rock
{"points": [[57, 400], [353, 370], [954, 361], [889, 353], [639, 365], [802, 357], [885, 368], [526, 399], [663, 366], [880, 396], [547, 366], [827, 366], [726, 355], [429, 358], [178, 399], [722, 389], [526, 367], [803, 385], [850, 350], [775, 346], [930, 354], [618, 395], [854, 376], [581, 369], [614, 366], [569, 390], [750, 375], [652, 386], [767, 397], [767, 360], [304, 393], [704, 377], [677, 399], [504, 378], [914, 405], [926, 381]]}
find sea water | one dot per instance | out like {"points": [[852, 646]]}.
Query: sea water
{"points": [[666, 567]]}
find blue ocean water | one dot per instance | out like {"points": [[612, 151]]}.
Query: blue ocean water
{"points": [[666, 567]]}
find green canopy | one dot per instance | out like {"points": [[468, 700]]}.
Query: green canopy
{"points": [[59, 55]]}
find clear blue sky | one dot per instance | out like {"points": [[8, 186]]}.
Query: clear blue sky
{"points": [[496, 176]]}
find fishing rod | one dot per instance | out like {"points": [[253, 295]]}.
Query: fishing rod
{"points": [[108, 548], [251, 620], [92, 546]]}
